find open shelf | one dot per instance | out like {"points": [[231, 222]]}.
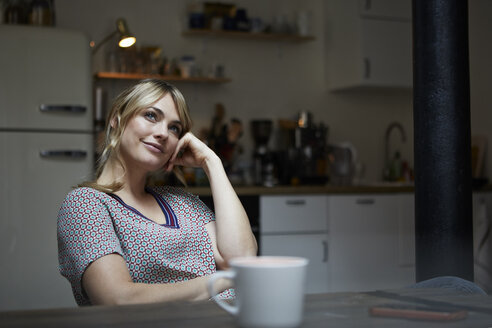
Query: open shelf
{"points": [[248, 35], [140, 76]]}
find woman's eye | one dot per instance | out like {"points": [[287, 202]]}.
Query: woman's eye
{"points": [[151, 116], [176, 129]]}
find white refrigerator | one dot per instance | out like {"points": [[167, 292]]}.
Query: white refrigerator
{"points": [[46, 148]]}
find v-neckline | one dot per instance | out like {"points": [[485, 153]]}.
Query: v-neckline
{"points": [[171, 219]]}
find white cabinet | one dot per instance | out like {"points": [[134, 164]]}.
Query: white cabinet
{"points": [[371, 242], [314, 247], [353, 242], [482, 239], [296, 226], [368, 43]]}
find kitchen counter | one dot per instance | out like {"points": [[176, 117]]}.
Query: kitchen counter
{"points": [[377, 188], [325, 189]]}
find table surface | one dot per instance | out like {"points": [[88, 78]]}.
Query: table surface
{"points": [[321, 310]]}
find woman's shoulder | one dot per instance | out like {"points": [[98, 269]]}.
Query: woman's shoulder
{"points": [[81, 193]]}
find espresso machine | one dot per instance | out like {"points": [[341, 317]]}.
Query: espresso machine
{"points": [[264, 159], [303, 151]]}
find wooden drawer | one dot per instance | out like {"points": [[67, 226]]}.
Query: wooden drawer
{"points": [[301, 213]]}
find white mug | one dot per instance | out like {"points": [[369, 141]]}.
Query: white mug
{"points": [[269, 290]]}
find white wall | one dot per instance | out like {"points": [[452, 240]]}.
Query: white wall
{"points": [[277, 80]]}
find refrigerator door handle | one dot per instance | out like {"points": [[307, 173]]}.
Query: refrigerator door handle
{"points": [[71, 154], [62, 108], [325, 250]]}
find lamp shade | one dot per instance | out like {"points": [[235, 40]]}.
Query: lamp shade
{"points": [[126, 38]]}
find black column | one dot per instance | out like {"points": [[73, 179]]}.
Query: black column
{"points": [[443, 194]]}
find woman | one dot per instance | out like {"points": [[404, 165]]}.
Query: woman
{"points": [[121, 241]]}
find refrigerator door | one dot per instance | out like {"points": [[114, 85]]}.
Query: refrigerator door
{"points": [[45, 80], [38, 169]]}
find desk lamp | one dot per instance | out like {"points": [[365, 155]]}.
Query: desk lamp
{"points": [[126, 38]]}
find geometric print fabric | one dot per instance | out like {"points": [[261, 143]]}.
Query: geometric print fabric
{"points": [[92, 224]]}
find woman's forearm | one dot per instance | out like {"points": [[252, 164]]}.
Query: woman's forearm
{"points": [[137, 293], [233, 229], [108, 281]]}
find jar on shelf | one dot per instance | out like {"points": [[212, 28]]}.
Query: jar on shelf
{"points": [[40, 13], [15, 12], [1, 11], [187, 66]]}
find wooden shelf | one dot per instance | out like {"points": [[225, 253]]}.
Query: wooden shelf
{"points": [[248, 35], [139, 76]]}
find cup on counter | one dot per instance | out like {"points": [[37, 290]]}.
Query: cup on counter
{"points": [[269, 290]]}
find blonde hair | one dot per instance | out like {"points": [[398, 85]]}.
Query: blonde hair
{"points": [[126, 105]]}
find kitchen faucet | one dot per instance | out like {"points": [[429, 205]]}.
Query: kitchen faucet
{"points": [[393, 125]]}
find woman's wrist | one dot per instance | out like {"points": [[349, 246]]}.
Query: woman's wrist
{"points": [[212, 163]]}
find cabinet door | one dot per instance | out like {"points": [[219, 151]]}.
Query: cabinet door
{"points": [[295, 213], [387, 53], [364, 244], [482, 240], [406, 230], [367, 44], [314, 247], [31, 192]]}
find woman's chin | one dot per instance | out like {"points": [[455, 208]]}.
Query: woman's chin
{"points": [[154, 167]]}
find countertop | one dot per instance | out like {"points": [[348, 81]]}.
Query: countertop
{"points": [[324, 189], [379, 188]]}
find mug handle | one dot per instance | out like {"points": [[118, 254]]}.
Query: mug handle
{"points": [[213, 294]]}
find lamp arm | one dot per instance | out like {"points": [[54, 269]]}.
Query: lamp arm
{"points": [[103, 41]]}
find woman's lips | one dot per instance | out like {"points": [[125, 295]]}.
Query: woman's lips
{"points": [[154, 147]]}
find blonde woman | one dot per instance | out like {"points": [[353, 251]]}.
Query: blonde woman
{"points": [[121, 241]]}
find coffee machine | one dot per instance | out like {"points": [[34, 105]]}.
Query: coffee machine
{"points": [[264, 163], [303, 151]]}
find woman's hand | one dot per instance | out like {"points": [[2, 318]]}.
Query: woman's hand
{"points": [[190, 152]]}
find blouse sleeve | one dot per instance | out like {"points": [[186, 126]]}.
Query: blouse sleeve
{"points": [[204, 213], [85, 233]]}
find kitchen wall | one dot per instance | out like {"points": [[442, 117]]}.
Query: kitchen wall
{"points": [[277, 80]]}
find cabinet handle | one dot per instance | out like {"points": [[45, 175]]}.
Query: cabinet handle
{"points": [[325, 250], [296, 202], [72, 154], [367, 68], [365, 201], [62, 108]]}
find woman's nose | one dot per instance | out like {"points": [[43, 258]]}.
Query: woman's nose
{"points": [[161, 131]]}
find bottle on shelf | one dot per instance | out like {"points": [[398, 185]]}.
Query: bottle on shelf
{"points": [[15, 12], [40, 13]]}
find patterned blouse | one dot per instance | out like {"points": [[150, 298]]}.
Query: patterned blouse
{"points": [[92, 224]]}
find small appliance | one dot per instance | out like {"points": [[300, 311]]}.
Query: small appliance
{"points": [[264, 159]]}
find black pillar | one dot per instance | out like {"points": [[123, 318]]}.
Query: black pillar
{"points": [[443, 194]]}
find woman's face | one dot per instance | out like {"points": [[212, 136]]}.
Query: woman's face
{"points": [[151, 136]]}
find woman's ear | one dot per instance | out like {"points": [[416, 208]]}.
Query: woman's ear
{"points": [[113, 122]]}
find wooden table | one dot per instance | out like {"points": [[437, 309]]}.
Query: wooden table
{"points": [[321, 310]]}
